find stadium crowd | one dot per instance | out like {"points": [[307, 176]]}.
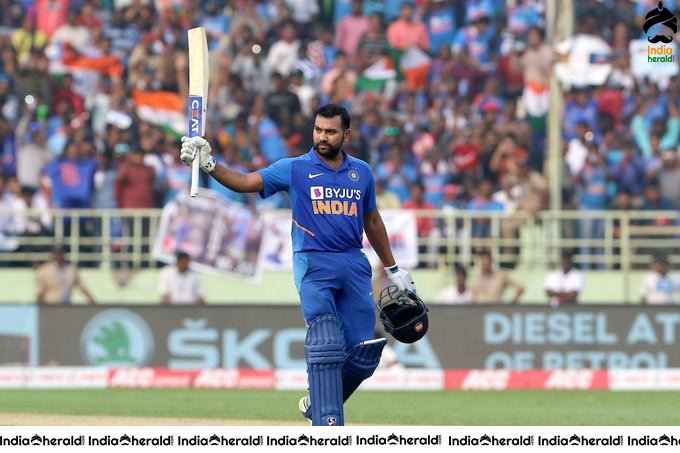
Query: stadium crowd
{"points": [[460, 135]]}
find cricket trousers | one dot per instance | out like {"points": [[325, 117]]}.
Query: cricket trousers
{"points": [[337, 283]]}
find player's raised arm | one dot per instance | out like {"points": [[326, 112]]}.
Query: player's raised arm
{"points": [[238, 182]]}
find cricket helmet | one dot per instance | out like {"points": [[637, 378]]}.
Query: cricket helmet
{"points": [[403, 314]]}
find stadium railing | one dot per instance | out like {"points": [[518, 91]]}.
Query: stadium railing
{"points": [[598, 240]]}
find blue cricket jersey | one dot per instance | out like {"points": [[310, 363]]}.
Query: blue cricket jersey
{"points": [[328, 205]]}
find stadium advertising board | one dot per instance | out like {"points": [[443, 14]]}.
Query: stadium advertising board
{"points": [[272, 337], [18, 335]]}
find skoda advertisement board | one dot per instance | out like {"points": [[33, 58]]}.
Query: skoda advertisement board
{"points": [[266, 337]]}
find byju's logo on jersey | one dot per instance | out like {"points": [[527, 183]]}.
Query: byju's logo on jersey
{"points": [[331, 200], [316, 192], [660, 26]]}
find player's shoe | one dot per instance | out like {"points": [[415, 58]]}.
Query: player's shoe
{"points": [[305, 406]]}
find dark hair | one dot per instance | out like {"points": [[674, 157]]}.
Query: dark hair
{"points": [[182, 256], [653, 184], [459, 269], [538, 30], [484, 253], [660, 258], [333, 110]]}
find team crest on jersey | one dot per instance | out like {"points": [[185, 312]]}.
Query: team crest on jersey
{"points": [[353, 174]]}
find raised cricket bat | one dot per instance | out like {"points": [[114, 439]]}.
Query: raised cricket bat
{"points": [[199, 75]]}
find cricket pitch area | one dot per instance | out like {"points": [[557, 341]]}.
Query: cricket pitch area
{"points": [[138, 407]]}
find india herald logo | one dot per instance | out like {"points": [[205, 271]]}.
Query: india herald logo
{"points": [[116, 337], [660, 25]]}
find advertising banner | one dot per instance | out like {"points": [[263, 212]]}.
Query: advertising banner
{"points": [[18, 335], [272, 337], [220, 235]]}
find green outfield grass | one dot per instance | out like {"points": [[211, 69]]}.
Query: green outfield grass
{"points": [[402, 408]]}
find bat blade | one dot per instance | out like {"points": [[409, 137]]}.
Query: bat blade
{"points": [[199, 74]]}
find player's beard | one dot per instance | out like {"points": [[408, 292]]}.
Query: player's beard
{"points": [[331, 151]]}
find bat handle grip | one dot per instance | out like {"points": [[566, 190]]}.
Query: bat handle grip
{"points": [[195, 167]]}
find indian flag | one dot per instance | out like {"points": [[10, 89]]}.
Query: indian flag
{"points": [[162, 108], [375, 76], [536, 99], [414, 65], [86, 71]]}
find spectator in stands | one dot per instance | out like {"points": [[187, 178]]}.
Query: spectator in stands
{"points": [[134, 182], [424, 224], [338, 84], [668, 175], [440, 20], [489, 284], [476, 40], [72, 178], [180, 285], [396, 174], [66, 92], [33, 152], [564, 285], [72, 33], [659, 286], [407, 31], [350, 29], [10, 224], [134, 189], [284, 52], [385, 199], [281, 103], [648, 123], [483, 202], [373, 43], [459, 293], [580, 110], [654, 201], [577, 150], [27, 38], [629, 173], [56, 279], [591, 183], [537, 59]]}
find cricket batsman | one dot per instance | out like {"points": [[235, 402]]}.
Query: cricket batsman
{"points": [[332, 197]]}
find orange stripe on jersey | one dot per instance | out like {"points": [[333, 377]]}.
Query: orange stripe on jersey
{"points": [[303, 228]]}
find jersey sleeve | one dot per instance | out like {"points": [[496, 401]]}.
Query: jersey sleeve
{"points": [[369, 199], [276, 177]]}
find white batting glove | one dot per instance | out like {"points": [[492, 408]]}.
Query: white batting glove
{"points": [[193, 146], [400, 278]]}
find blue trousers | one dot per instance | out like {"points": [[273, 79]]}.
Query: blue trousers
{"points": [[337, 283]]}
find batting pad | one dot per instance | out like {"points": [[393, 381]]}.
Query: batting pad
{"points": [[324, 352], [360, 363]]}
